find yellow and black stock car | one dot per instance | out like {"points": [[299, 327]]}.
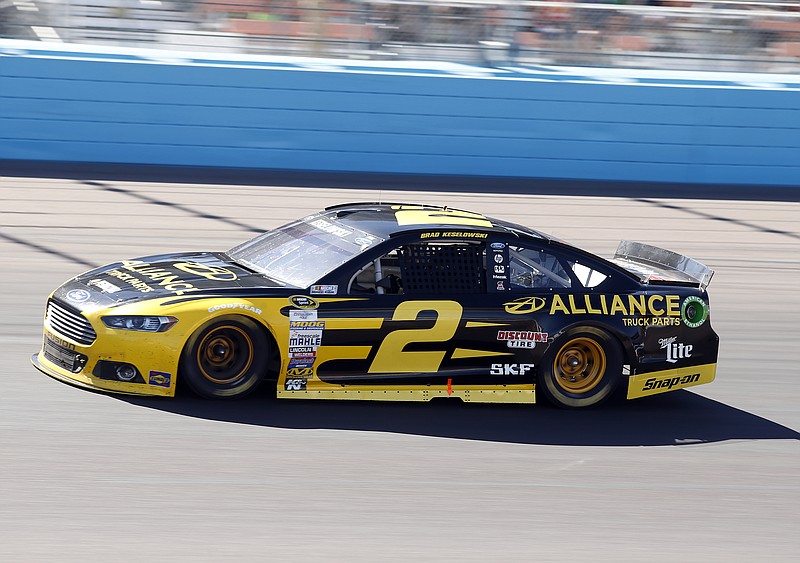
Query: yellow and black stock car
{"points": [[389, 302]]}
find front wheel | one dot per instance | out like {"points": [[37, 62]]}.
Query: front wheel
{"points": [[582, 369], [226, 359]]}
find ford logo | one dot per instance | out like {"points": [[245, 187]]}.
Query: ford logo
{"points": [[78, 295]]}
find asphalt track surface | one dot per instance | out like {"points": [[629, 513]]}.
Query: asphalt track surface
{"points": [[710, 474]]}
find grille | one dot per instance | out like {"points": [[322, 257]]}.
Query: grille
{"points": [[69, 324], [63, 357]]}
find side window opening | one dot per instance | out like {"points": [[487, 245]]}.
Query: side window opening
{"points": [[586, 275], [381, 276], [427, 267], [536, 269], [443, 267]]}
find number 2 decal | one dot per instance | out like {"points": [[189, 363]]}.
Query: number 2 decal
{"points": [[391, 356]]}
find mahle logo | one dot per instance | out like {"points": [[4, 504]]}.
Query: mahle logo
{"points": [[216, 273], [524, 305]]}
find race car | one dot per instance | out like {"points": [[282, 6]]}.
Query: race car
{"points": [[392, 302]]}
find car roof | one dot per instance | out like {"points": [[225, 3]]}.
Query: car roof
{"points": [[391, 219]]}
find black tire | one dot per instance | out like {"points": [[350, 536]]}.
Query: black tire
{"points": [[581, 369], [226, 359]]}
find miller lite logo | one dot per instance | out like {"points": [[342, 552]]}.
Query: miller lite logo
{"points": [[675, 350]]}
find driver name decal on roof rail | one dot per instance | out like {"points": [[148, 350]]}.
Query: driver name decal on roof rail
{"points": [[453, 234]]}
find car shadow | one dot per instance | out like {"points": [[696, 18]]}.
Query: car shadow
{"points": [[676, 418]]}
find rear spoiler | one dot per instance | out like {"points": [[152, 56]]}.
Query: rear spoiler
{"points": [[663, 263]]}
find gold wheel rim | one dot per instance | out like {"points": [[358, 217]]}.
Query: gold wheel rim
{"points": [[580, 365], [225, 355]]}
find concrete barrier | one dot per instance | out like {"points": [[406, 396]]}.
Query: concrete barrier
{"points": [[78, 104]]}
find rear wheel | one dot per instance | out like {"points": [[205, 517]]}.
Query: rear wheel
{"points": [[226, 359], [582, 369]]}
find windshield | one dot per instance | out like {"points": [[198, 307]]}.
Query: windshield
{"points": [[300, 253]]}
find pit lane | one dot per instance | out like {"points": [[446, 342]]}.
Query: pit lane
{"points": [[703, 475]]}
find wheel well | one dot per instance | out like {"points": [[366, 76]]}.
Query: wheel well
{"points": [[628, 354], [600, 385], [273, 362]]}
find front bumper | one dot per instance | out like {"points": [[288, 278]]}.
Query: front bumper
{"points": [[97, 362], [87, 382]]}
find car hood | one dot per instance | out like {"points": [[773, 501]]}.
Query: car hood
{"points": [[152, 277]]}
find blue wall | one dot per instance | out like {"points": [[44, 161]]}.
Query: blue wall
{"points": [[365, 118]]}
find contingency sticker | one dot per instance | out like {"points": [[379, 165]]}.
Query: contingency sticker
{"points": [[324, 289], [497, 268], [305, 338]]}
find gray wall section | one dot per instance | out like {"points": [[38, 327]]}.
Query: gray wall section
{"points": [[294, 118]]}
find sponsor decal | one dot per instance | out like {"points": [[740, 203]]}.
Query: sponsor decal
{"points": [[329, 227], [521, 344], [241, 306], [510, 369], [131, 280], [78, 295], [312, 338], [306, 325], [589, 304], [521, 338], [295, 384], [675, 350], [524, 305], [652, 321], [301, 363], [363, 242], [499, 270], [306, 315], [324, 289], [168, 280], [670, 382], [215, 273], [303, 302], [303, 355], [454, 234], [651, 383], [305, 337], [694, 311], [160, 378], [626, 369], [104, 285]]}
